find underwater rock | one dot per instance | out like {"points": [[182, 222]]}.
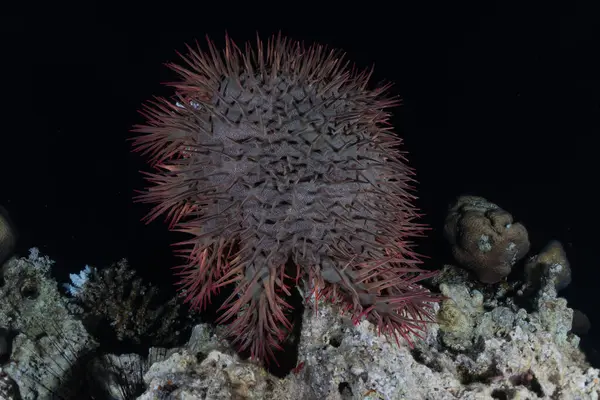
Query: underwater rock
{"points": [[131, 308], [501, 352], [485, 346], [457, 316], [44, 340], [8, 236], [46, 349], [117, 377], [553, 256], [8, 388], [484, 238]]}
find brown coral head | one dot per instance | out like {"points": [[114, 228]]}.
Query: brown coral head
{"points": [[485, 238], [552, 262]]}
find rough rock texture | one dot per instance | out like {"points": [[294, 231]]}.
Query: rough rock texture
{"points": [[44, 342], [8, 388], [46, 351], [117, 377], [133, 309], [551, 256], [484, 238], [492, 342], [486, 347], [8, 236]]}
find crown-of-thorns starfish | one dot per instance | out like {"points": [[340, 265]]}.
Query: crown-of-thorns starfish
{"points": [[277, 156]]}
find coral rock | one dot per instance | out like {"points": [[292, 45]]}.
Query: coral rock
{"points": [[552, 256], [504, 352], [484, 238]]}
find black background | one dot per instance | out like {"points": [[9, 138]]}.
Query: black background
{"points": [[498, 101]]}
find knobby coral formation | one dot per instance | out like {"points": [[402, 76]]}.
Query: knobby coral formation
{"points": [[484, 238], [551, 256], [278, 157], [487, 347]]}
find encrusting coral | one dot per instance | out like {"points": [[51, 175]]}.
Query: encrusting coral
{"points": [[484, 238], [281, 164]]}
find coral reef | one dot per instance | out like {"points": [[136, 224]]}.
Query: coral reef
{"points": [[9, 390], [487, 347], [116, 295], [484, 238], [118, 377], [45, 343], [48, 353], [279, 161], [512, 340]]}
